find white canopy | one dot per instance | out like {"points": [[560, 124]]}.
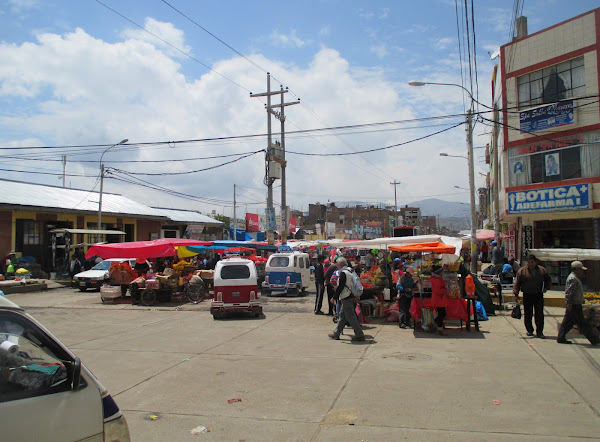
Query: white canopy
{"points": [[566, 254], [384, 243]]}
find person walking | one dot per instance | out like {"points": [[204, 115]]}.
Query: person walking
{"points": [[484, 252], [320, 284], [574, 311], [533, 280], [406, 284], [497, 257], [331, 268], [347, 315]]}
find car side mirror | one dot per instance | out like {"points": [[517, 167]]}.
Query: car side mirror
{"points": [[76, 374]]}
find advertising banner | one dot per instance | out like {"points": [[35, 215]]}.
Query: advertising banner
{"points": [[252, 222], [271, 220], [547, 117], [550, 199], [292, 225]]}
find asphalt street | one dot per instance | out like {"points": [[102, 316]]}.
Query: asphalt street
{"points": [[172, 368]]}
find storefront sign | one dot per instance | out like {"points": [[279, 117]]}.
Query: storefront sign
{"points": [[330, 230], [511, 242], [252, 223], [194, 231], [545, 145], [550, 199], [547, 117], [527, 239]]}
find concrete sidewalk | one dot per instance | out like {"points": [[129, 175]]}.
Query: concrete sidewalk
{"points": [[296, 384]]}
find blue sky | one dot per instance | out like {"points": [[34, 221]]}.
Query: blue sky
{"points": [[77, 73]]}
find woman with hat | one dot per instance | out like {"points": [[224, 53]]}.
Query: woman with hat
{"points": [[405, 286]]}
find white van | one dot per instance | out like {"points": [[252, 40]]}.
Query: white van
{"points": [[287, 272], [46, 393]]}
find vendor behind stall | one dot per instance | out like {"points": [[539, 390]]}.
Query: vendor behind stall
{"points": [[141, 266], [439, 295]]}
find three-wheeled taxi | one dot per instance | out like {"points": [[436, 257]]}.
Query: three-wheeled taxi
{"points": [[235, 288]]}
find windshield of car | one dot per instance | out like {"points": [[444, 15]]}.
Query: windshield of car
{"points": [[239, 271], [104, 265], [279, 261], [27, 366]]}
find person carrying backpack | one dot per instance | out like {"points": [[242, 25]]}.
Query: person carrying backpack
{"points": [[348, 288]]}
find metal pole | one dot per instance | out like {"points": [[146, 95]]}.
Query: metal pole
{"points": [[100, 199], [474, 256], [270, 239], [395, 184], [284, 215], [234, 216], [495, 131]]}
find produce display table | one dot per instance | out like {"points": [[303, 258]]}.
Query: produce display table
{"points": [[456, 308]]}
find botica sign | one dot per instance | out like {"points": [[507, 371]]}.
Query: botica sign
{"points": [[550, 199]]}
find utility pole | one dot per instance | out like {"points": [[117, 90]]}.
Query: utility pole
{"points": [[234, 216], [280, 158], [395, 184], [495, 129], [64, 161], [474, 256], [269, 179]]}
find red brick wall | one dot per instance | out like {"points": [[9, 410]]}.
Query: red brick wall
{"points": [[5, 232], [145, 228]]}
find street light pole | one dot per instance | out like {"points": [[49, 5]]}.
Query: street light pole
{"points": [[102, 183], [471, 160]]}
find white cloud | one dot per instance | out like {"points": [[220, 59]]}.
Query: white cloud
{"points": [[443, 43], [23, 5], [380, 50], [286, 40], [165, 31], [325, 30], [78, 89], [499, 19]]}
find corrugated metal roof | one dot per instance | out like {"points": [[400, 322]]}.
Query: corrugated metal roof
{"points": [[187, 216], [38, 195]]}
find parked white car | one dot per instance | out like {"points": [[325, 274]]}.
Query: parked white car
{"points": [[46, 393], [97, 275]]}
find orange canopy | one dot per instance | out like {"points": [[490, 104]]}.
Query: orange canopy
{"points": [[435, 247]]}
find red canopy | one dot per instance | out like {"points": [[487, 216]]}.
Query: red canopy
{"points": [[486, 235], [159, 248], [435, 247], [240, 249]]}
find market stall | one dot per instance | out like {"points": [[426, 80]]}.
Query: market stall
{"points": [[159, 248], [456, 306]]}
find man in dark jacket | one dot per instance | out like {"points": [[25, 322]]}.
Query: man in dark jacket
{"points": [[320, 284], [330, 289], [574, 311], [533, 280]]}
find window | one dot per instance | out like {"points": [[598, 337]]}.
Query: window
{"points": [[31, 233], [295, 261], [31, 364], [559, 165], [279, 261], [240, 271], [552, 84], [301, 263]]}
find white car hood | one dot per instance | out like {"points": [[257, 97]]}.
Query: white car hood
{"points": [[93, 274]]}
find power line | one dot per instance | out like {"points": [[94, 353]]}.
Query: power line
{"points": [[375, 149]]}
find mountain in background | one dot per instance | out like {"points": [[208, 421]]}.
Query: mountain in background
{"points": [[445, 209]]}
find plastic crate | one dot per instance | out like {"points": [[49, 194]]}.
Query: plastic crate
{"points": [[110, 292]]}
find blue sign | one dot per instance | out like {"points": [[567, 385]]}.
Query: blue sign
{"points": [[284, 248], [547, 117], [550, 199], [271, 220]]}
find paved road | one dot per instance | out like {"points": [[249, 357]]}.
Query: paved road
{"points": [[296, 384]]}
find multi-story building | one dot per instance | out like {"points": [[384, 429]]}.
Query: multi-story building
{"points": [[545, 147], [411, 216]]}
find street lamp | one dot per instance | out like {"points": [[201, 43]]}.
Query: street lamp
{"points": [[453, 156], [461, 188], [102, 182], [469, 121]]}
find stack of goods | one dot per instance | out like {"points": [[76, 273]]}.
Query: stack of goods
{"points": [[121, 273], [373, 278], [451, 280]]}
